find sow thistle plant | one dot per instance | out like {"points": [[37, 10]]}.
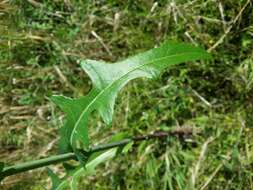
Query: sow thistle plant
{"points": [[107, 80]]}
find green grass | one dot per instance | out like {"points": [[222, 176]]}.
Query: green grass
{"points": [[39, 49]]}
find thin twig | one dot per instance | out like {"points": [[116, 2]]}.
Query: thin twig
{"points": [[64, 80], [195, 171], [35, 3], [221, 39], [202, 98], [214, 173], [222, 15], [101, 41]]}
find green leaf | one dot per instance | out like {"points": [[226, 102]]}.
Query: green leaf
{"points": [[71, 181], [56, 181], [69, 168], [107, 81], [128, 147]]}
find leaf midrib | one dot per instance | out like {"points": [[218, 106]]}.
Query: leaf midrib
{"points": [[102, 91]]}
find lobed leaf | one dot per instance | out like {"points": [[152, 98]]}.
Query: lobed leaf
{"points": [[108, 79]]}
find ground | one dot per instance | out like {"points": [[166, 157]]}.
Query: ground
{"points": [[41, 43]]}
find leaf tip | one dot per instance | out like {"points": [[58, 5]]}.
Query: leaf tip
{"points": [[59, 99]]}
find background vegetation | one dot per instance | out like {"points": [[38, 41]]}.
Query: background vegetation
{"points": [[40, 44]]}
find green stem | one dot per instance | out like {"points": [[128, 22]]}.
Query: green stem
{"points": [[22, 167]]}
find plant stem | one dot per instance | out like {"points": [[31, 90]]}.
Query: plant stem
{"points": [[22, 167]]}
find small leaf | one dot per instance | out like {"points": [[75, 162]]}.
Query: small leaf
{"points": [[119, 136], [56, 181], [128, 147], [108, 79], [69, 168], [71, 181], [89, 169]]}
